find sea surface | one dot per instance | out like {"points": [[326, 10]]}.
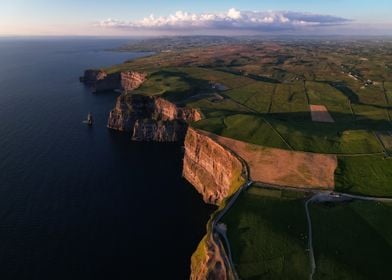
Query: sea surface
{"points": [[79, 202]]}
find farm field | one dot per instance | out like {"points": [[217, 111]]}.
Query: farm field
{"points": [[365, 175], [268, 234], [352, 240], [281, 167]]}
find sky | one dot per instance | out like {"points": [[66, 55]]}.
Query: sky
{"points": [[154, 17]]}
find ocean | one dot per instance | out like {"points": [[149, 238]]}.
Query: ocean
{"points": [[79, 202]]}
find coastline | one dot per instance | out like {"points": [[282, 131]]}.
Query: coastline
{"points": [[212, 167], [225, 191]]}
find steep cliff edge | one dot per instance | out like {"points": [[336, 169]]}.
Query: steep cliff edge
{"points": [[99, 80], [208, 262], [150, 118], [212, 169], [216, 173]]}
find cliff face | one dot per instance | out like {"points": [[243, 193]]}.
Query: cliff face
{"points": [[208, 262], [132, 80], [151, 118], [212, 169], [120, 117], [91, 76], [216, 173], [99, 80]]}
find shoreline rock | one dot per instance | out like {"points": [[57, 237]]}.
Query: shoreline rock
{"points": [[150, 118], [101, 81], [214, 171], [209, 167]]}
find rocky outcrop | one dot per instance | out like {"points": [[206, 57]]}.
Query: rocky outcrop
{"points": [[216, 173], [159, 131], [100, 81], [109, 83], [213, 170], [120, 117], [150, 118], [208, 262], [91, 76], [132, 80]]}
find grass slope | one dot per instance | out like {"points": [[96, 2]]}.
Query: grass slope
{"points": [[365, 175], [352, 241], [267, 232]]}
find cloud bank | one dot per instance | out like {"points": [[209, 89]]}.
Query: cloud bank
{"points": [[231, 20]]}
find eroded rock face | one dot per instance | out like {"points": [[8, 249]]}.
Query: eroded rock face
{"points": [[151, 118], [210, 264], [100, 81], [160, 131], [91, 76], [132, 80], [209, 167], [120, 117], [216, 173]]}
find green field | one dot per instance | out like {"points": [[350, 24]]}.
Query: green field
{"points": [[268, 235], [352, 241], [332, 138], [173, 85], [249, 128], [336, 102], [289, 99], [366, 175]]}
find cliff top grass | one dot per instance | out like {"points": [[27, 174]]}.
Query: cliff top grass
{"points": [[352, 240], [364, 175], [268, 234]]}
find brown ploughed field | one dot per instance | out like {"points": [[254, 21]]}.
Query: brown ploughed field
{"points": [[320, 113], [283, 167]]}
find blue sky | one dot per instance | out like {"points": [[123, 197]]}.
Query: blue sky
{"points": [[84, 17]]}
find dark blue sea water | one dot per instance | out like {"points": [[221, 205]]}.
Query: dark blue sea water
{"points": [[79, 202]]}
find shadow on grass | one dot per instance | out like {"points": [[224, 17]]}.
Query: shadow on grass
{"points": [[195, 85]]}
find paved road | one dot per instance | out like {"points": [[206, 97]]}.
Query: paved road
{"points": [[310, 240], [216, 229]]}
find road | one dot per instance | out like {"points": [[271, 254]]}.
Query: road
{"points": [[310, 240], [216, 228]]}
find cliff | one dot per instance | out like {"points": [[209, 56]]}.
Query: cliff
{"points": [[100, 81], [150, 118], [91, 76], [208, 262], [214, 171]]}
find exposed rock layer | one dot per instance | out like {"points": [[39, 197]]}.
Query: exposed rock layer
{"points": [[151, 118], [213, 170], [216, 173], [209, 167], [99, 80], [211, 263]]}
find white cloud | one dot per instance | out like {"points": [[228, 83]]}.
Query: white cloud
{"points": [[232, 19]]}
